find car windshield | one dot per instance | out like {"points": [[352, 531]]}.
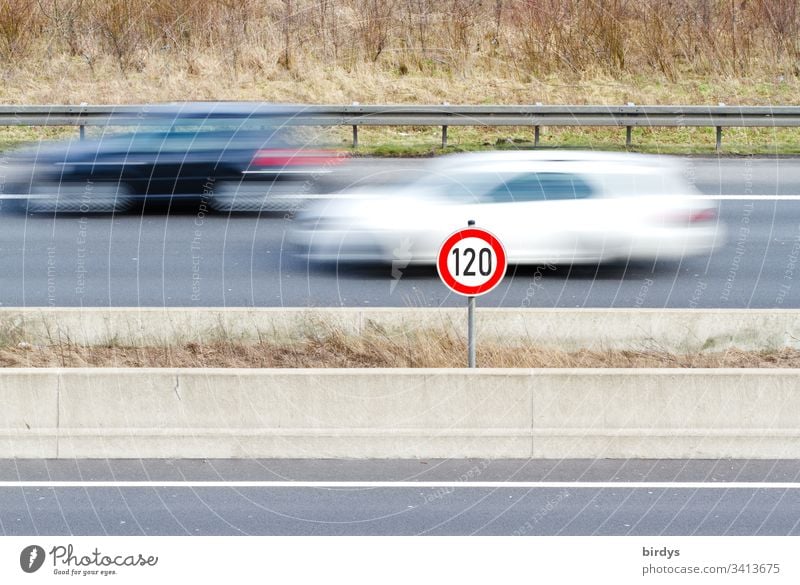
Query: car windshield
{"points": [[191, 134], [502, 187], [456, 186]]}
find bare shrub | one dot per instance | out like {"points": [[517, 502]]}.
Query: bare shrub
{"points": [[461, 25], [66, 19], [782, 19], [511, 39], [20, 25], [374, 26], [120, 31], [327, 28]]}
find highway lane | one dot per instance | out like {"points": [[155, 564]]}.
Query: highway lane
{"points": [[432, 497], [192, 258]]}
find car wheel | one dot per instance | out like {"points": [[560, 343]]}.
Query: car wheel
{"points": [[257, 196], [86, 197]]}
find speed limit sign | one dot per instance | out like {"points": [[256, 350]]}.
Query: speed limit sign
{"points": [[471, 262]]}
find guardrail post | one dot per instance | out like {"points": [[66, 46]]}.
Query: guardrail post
{"points": [[536, 135], [627, 136], [719, 138], [82, 131], [444, 136], [355, 136]]}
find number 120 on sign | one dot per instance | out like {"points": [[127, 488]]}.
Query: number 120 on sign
{"points": [[484, 265], [471, 262]]}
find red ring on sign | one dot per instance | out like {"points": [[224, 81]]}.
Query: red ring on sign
{"points": [[451, 282]]}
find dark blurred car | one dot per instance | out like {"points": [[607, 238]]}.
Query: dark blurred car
{"points": [[229, 156]]}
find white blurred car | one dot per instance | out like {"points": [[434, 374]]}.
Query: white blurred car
{"points": [[558, 207]]}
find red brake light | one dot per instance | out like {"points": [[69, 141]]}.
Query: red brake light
{"points": [[703, 215], [690, 216], [292, 158]]}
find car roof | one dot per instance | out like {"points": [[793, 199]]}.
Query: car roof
{"points": [[615, 159]]}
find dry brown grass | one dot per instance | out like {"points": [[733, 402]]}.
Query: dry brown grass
{"points": [[374, 51], [376, 350]]}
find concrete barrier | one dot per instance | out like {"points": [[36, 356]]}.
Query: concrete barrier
{"points": [[403, 413], [679, 330]]}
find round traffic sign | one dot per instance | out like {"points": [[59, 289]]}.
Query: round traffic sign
{"points": [[471, 262]]}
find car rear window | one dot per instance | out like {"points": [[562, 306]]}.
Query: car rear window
{"points": [[540, 187]]}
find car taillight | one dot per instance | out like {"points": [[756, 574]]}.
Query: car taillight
{"points": [[703, 215], [691, 217], [291, 158]]}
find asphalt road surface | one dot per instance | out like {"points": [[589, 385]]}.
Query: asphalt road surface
{"points": [[196, 259], [434, 497]]}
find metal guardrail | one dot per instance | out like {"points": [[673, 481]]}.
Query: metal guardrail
{"points": [[535, 116]]}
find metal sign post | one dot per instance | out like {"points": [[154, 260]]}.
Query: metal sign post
{"points": [[471, 352], [471, 331], [471, 262]]}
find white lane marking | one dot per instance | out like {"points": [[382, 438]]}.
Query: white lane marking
{"points": [[98, 163], [341, 196], [404, 484], [748, 197], [288, 172]]}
